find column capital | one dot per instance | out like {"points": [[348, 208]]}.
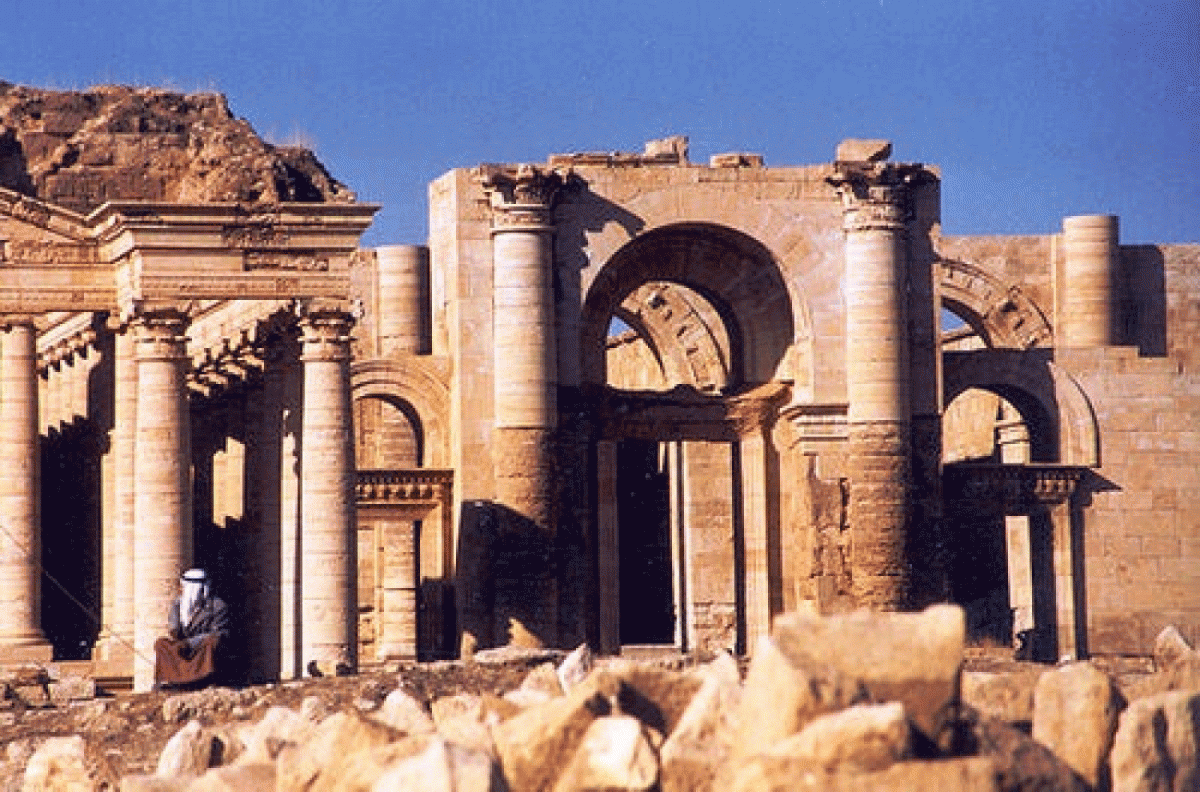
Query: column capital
{"points": [[325, 330], [9, 321], [876, 196], [522, 197], [160, 334]]}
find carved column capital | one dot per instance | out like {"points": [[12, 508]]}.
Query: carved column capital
{"points": [[522, 198], [325, 331], [876, 196], [160, 334]]}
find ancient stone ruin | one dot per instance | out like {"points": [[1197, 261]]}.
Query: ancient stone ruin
{"points": [[620, 399]]}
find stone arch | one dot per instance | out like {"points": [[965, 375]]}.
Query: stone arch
{"points": [[1002, 315], [413, 382], [736, 274], [1047, 396]]}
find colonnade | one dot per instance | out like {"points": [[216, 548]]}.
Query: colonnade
{"points": [[148, 534]]}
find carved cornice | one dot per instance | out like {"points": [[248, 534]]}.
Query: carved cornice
{"points": [[522, 198], [1015, 489], [400, 487], [877, 196]]}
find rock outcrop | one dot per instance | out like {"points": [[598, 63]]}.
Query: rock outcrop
{"points": [[79, 149]]}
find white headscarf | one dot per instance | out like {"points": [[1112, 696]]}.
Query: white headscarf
{"points": [[195, 591]]}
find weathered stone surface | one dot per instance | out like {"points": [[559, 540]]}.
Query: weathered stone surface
{"points": [[812, 665], [80, 148], [862, 738], [575, 667], [1171, 649], [700, 742], [154, 783], [862, 150], [532, 744], [360, 771], [1022, 764], [251, 777], [1157, 745], [617, 753], [404, 713], [1076, 708], [1005, 696], [188, 752], [278, 728], [59, 765], [655, 696], [339, 736], [777, 774], [443, 767]]}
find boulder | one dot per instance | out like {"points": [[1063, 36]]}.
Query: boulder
{"points": [[59, 765], [249, 777], [308, 766], [404, 713], [1006, 696], [617, 754], [1075, 714], [278, 728], [575, 667], [700, 742], [771, 774], [443, 767], [862, 738], [189, 752], [1022, 764], [1156, 746]]}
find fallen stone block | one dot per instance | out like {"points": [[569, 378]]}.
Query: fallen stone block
{"points": [[575, 667], [1157, 745], [189, 752], [278, 728], [618, 753], [1075, 714], [249, 777], [1022, 764], [404, 713], [700, 742], [1006, 696], [444, 767], [862, 738], [59, 765], [344, 734], [782, 774]]}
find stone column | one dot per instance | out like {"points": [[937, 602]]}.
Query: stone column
{"points": [[875, 199], [1090, 290], [404, 320], [526, 405], [328, 538], [162, 479], [117, 644], [21, 638], [607, 547], [756, 555]]}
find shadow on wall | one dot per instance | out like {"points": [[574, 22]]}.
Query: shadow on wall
{"points": [[509, 586], [1145, 293]]}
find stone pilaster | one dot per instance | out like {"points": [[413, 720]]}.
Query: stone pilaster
{"points": [[328, 540], [876, 212], [162, 546], [115, 645], [21, 638], [526, 407]]}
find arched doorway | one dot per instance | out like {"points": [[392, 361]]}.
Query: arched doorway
{"points": [[680, 327]]}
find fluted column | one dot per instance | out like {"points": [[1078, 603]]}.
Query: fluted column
{"points": [[404, 321], [328, 540], [21, 638], [875, 200], [1090, 292], [526, 396], [162, 546]]}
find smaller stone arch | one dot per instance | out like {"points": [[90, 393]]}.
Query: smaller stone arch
{"points": [[1032, 380], [415, 382], [736, 274], [1002, 314]]}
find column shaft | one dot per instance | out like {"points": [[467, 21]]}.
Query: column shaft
{"points": [[1091, 287], [328, 541], [21, 636], [162, 465], [403, 311]]}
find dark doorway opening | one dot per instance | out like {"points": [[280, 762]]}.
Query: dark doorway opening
{"points": [[644, 538]]}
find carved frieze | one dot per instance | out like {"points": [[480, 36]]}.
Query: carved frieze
{"points": [[276, 260]]}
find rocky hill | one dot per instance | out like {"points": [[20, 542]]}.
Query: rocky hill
{"points": [[79, 149]]}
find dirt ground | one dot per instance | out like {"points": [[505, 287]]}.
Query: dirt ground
{"points": [[126, 732]]}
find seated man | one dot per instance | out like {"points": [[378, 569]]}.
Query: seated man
{"points": [[196, 625]]}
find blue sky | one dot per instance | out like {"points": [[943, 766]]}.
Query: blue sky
{"points": [[1033, 110]]}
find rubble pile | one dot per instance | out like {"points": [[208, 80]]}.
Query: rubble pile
{"points": [[850, 702], [78, 149]]}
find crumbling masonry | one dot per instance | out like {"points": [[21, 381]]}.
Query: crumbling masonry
{"points": [[618, 398]]}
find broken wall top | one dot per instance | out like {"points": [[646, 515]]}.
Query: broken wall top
{"points": [[80, 149]]}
